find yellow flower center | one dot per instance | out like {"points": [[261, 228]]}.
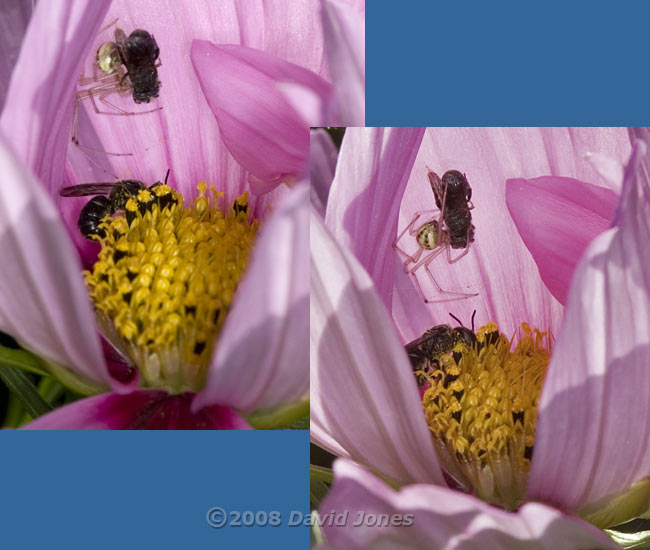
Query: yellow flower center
{"points": [[481, 408], [164, 280]]}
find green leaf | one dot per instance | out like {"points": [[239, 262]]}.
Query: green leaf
{"points": [[321, 473], [20, 384], [317, 492], [277, 417], [20, 359], [50, 390], [15, 411], [300, 424]]}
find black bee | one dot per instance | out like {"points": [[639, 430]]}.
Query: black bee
{"points": [[111, 198], [426, 351], [139, 53], [453, 196]]}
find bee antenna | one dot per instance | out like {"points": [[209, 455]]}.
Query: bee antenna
{"points": [[473, 315], [167, 175], [457, 319]]}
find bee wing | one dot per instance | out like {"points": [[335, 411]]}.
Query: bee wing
{"points": [[87, 189], [415, 344], [436, 187]]}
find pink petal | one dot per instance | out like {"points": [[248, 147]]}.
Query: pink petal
{"points": [[609, 168], [304, 100], [140, 410], [345, 40], [364, 399], [14, 16], [557, 218], [289, 30], [322, 163], [261, 358], [43, 300], [261, 129], [498, 266], [374, 166], [436, 517], [593, 436], [37, 113]]}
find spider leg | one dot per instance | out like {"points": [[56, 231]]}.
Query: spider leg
{"points": [[85, 80], [409, 228], [85, 94], [429, 258], [122, 112], [455, 295], [90, 93], [108, 26], [412, 271], [414, 230]]}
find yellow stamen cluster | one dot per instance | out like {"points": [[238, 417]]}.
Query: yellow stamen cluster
{"points": [[481, 408], [165, 278]]}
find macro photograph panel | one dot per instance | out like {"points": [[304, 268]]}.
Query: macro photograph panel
{"points": [[479, 337], [154, 207]]}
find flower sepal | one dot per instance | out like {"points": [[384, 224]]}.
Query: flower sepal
{"points": [[616, 509], [276, 417]]}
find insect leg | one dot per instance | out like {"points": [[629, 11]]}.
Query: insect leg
{"points": [[454, 260], [465, 251]]}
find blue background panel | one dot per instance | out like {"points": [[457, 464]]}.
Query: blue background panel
{"points": [[107, 490], [477, 63]]}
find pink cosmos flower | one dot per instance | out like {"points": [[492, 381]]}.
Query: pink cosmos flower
{"points": [[430, 516], [545, 200], [259, 362]]}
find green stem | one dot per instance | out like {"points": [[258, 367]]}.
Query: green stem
{"points": [[52, 390]]}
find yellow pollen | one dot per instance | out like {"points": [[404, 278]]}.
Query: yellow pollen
{"points": [[164, 280], [481, 408]]}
